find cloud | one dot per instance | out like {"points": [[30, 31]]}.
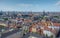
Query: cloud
{"points": [[58, 3], [24, 5], [27, 5]]}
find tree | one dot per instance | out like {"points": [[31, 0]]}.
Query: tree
{"points": [[5, 19], [56, 16], [51, 36]]}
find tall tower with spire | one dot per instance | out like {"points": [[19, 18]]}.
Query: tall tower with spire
{"points": [[43, 13]]}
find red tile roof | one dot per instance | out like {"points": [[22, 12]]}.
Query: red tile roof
{"points": [[56, 24]]}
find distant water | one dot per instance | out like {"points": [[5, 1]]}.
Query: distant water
{"points": [[31, 12]]}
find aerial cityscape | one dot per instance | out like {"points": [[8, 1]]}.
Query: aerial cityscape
{"points": [[29, 18]]}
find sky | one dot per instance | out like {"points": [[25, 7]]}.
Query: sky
{"points": [[30, 5]]}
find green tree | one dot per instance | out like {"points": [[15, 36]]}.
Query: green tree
{"points": [[56, 16], [5, 19], [51, 36]]}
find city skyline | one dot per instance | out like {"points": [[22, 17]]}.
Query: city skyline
{"points": [[30, 5]]}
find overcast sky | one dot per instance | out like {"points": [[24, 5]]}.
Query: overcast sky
{"points": [[30, 5]]}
